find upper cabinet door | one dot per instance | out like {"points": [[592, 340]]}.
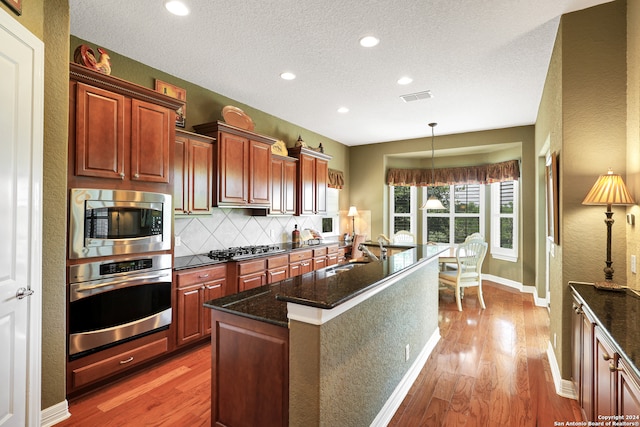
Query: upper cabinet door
{"points": [[151, 141], [259, 173], [101, 132], [322, 178], [233, 169]]}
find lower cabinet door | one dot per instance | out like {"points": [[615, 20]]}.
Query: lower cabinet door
{"points": [[604, 387], [190, 314], [628, 394]]}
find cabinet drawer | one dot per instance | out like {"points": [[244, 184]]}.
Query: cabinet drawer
{"points": [[299, 255], [201, 275], [319, 252], [248, 267], [332, 249], [278, 261], [119, 362]]}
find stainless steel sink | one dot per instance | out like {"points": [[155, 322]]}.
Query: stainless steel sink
{"points": [[344, 267]]}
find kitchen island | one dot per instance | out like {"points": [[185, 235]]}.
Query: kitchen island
{"points": [[338, 346]]}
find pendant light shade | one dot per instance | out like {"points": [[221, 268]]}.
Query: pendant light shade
{"points": [[432, 202]]}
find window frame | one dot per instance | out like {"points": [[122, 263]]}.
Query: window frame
{"points": [[413, 210], [498, 252], [452, 215]]}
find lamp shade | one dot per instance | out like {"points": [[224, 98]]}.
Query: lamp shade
{"points": [[352, 211], [432, 203], [609, 189]]}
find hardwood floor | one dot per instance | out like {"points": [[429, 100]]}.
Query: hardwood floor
{"points": [[489, 369]]}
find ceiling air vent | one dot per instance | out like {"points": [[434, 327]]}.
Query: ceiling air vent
{"points": [[417, 96]]}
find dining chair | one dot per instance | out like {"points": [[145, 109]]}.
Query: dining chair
{"points": [[403, 236], [469, 258], [355, 252], [473, 236]]}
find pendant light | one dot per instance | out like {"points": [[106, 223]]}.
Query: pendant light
{"points": [[432, 202]]}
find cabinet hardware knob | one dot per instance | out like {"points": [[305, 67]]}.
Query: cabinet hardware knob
{"points": [[605, 356], [203, 276], [613, 368], [124, 362], [121, 175], [137, 175]]}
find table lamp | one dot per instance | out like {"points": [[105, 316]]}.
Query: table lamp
{"points": [[609, 190], [353, 213]]}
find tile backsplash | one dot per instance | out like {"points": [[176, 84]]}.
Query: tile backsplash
{"points": [[236, 227]]}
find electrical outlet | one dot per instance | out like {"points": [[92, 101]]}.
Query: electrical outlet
{"points": [[633, 264], [271, 233], [407, 353], [178, 241]]}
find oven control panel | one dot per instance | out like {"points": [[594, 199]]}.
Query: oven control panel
{"points": [[126, 266]]}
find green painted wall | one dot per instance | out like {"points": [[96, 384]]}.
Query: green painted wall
{"points": [[583, 114], [368, 189]]}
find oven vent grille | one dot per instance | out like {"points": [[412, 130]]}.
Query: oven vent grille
{"points": [[416, 96]]}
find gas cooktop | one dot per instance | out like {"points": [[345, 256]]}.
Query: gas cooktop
{"points": [[243, 252]]}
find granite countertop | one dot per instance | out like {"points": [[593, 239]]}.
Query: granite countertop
{"points": [[617, 313], [323, 288], [201, 260]]}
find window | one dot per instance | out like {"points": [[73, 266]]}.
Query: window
{"points": [[504, 220], [463, 213], [402, 201]]}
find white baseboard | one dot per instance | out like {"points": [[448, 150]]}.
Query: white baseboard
{"points": [[563, 387], [54, 414], [539, 302], [402, 389]]}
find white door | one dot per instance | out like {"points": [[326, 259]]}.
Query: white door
{"points": [[21, 124]]}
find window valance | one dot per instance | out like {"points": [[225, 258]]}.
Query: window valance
{"points": [[482, 174], [336, 179]]}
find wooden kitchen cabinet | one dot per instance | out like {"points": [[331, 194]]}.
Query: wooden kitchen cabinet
{"points": [[582, 357], [277, 268], [242, 163], [251, 274], [333, 255], [283, 185], [118, 130], [193, 174], [319, 258], [300, 262], [628, 392], [249, 372], [194, 287], [312, 178], [605, 361]]}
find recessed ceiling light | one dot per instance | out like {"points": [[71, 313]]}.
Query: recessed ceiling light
{"points": [[369, 41], [176, 7], [287, 76], [404, 80], [343, 110]]}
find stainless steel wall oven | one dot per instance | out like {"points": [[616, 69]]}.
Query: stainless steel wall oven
{"points": [[117, 300], [118, 222]]}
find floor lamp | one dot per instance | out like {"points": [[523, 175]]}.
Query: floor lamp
{"points": [[609, 190]]}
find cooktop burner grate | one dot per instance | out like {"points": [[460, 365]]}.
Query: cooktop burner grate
{"points": [[239, 252]]}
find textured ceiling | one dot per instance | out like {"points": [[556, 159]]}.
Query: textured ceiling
{"points": [[485, 61]]}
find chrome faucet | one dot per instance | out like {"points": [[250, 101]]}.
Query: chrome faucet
{"points": [[383, 250], [366, 250]]}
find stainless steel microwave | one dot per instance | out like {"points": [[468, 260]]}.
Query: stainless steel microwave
{"points": [[118, 222]]}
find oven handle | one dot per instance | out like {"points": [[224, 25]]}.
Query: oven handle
{"points": [[82, 290]]}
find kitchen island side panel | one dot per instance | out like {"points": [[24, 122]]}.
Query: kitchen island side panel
{"points": [[344, 371]]}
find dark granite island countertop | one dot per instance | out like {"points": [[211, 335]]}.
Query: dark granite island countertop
{"points": [[321, 289], [617, 313], [337, 346]]}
